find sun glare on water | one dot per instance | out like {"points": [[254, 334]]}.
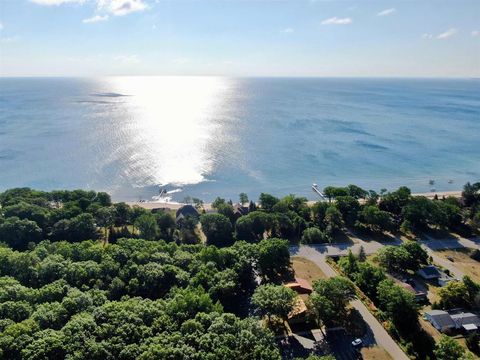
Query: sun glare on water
{"points": [[171, 123]]}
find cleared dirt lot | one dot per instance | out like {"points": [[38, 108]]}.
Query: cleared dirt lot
{"points": [[306, 269], [462, 260], [375, 353]]}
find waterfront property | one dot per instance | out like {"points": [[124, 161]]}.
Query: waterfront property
{"points": [[186, 211]]}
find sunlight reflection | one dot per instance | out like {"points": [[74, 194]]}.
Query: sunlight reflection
{"points": [[172, 124]]}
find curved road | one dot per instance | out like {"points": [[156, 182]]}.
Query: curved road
{"points": [[382, 338]]}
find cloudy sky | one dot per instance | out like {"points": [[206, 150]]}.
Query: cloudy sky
{"points": [[240, 37]]}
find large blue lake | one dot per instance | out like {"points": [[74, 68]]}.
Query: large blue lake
{"points": [[213, 136]]}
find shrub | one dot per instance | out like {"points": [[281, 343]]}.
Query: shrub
{"points": [[313, 235]]}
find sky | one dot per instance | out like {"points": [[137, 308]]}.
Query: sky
{"points": [[371, 38]]}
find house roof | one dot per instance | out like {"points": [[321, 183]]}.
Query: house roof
{"points": [[407, 287], [430, 271], [300, 285], [442, 318], [304, 283], [187, 210], [466, 318], [239, 209], [411, 289], [470, 327]]}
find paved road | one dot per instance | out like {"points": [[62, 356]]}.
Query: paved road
{"points": [[373, 246], [454, 242], [342, 249], [382, 338]]}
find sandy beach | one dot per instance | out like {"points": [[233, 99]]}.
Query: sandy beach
{"points": [[207, 206]]}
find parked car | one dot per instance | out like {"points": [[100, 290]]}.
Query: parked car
{"points": [[357, 343]]}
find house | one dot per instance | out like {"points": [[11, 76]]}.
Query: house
{"points": [[429, 272], [419, 295], [239, 210], [186, 211], [300, 286], [440, 319], [466, 321]]}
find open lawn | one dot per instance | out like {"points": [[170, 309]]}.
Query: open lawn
{"points": [[375, 353], [462, 261], [306, 269], [429, 329]]}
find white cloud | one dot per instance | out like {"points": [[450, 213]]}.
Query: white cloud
{"points": [[287, 30], [386, 12], [1, 26], [127, 59], [450, 32], [337, 21], [475, 33], [114, 7], [427, 36], [121, 7], [56, 2], [94, 19]]}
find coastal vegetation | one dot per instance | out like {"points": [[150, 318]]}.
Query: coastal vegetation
{"points": [[83, 277]]}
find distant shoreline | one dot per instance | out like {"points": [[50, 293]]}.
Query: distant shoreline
{"points": [[150, 205]]}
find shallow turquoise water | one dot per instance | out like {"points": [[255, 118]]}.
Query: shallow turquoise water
{"points": [[221, 136]]}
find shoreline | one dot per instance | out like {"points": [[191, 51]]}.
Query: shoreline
{"points": [[150, 205]]}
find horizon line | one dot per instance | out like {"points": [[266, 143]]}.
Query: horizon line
{"points": [[2, 76]]}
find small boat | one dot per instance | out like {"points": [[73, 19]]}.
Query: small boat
{"points": [[450, 181], [431, 182]]}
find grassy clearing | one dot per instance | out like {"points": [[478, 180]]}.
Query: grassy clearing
{"points": [[306, 269], [462, 261], [375, 353]]}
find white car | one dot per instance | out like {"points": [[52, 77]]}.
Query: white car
{"points": [[357, 343]]}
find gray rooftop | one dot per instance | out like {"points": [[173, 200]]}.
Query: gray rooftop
{"points": [[442, 318], [466, 318], [430, 271]]}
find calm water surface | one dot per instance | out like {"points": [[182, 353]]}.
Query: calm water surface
{"points": [[209, 136]]}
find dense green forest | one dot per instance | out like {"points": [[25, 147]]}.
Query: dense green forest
{"points": [[84, 278], [134, 299]]}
